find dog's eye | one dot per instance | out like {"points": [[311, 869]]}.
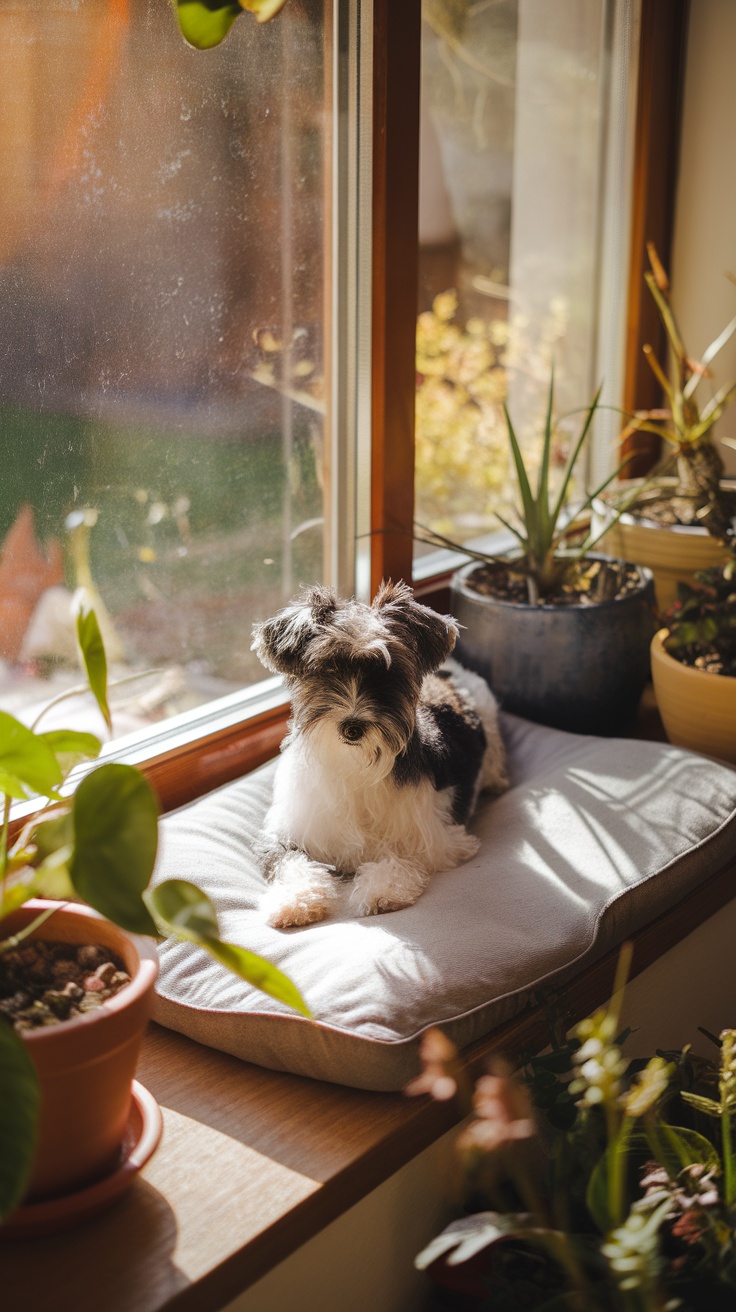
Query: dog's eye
{"points": [[353, 730]]}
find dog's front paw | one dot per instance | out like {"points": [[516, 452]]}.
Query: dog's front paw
{"points": [[301, 893], [385, 885], [289, 913]]}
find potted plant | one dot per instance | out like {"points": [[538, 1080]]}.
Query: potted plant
{"points": [[677, 524], [581, 1193], [561, 633], [694, 663], [74, 892]]}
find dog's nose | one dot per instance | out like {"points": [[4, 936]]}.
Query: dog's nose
{"points": [[353, 730]]}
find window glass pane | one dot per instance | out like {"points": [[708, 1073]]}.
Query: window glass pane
{"points": [[162, 226], [516, 115]]}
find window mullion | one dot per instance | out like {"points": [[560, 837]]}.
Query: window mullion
{"points": [[396, 71]]}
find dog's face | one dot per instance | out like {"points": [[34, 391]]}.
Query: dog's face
{"points": [[355, 671]]}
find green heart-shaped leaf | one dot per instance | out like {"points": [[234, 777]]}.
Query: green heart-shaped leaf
{"points": [[205, 23], [95, 661], [181, 908], [115, 817], [52, 877], [71, 747], [27, 763], [19, 1104], [15, 895], [50, 835]]}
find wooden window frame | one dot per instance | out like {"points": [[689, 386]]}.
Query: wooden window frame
{"points": [[217, 755], [662, 45]]}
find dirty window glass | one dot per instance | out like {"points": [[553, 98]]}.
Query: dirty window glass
{"points": [[161, 342]]}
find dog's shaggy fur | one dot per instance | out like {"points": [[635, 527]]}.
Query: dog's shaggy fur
{"points": [[388, 748]]}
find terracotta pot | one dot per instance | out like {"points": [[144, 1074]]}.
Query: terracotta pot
{"points": [[579, 668], [86, 1065], [674, 555], [698, 709]]}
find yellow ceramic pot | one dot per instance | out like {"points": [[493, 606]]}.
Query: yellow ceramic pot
{"points": [[698, 709], [674, 555]]}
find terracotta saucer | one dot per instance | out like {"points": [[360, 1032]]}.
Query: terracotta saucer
{"points": [[142, 1136]]}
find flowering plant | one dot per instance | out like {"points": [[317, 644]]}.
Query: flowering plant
{"points": [[580, 1192]]}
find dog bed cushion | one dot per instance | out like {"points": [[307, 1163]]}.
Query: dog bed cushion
{"points": [[593, 839]]}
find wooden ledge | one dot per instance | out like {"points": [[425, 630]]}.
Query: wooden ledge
{"points": [[254, 1163]]}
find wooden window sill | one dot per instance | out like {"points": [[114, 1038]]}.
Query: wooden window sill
{"points": [[254, 1163]]}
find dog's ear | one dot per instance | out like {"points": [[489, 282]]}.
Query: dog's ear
{"points": [[282, 642], [430, 635]]}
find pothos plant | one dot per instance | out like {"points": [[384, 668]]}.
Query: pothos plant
{"points": [[93, 841], [582, 1195]]}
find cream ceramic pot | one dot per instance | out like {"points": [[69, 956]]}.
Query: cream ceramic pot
{"points": [[698, 709], [674, 555]]}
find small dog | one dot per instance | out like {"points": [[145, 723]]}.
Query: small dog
{"points": [[384, 759]]}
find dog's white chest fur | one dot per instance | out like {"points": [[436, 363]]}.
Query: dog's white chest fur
{"points": [[344, 819]]}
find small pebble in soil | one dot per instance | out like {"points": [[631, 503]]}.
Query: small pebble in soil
{"points": [[44, 984]]}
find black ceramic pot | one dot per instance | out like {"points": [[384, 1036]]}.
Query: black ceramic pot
{"points": [[580, 668]]}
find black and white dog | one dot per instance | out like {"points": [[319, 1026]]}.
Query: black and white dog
{"points": [[384, 759]]}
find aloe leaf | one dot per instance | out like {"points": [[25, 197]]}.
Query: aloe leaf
{"points": [[543, 508], [27, 763], [573, 457], [19, 1105], [527, 498], [181, 908], [616, 511], [205, 23], [95, 660], [519, 536], [115, 818]]}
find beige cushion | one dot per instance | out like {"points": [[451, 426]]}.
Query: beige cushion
{"points": [[593, 839]]}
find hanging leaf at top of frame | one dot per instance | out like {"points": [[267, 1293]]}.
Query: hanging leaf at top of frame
{"points": [[205, 23]]}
